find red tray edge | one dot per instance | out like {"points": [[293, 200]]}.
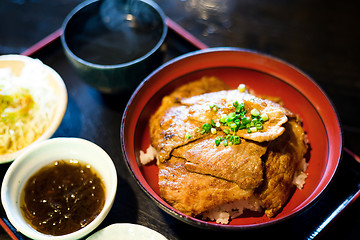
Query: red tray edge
{"points": [[169, 22]]}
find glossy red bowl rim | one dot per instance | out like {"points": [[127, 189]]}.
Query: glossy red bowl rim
{"points": [[256, 61]]}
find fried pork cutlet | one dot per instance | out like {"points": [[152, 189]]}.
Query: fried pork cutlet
{"points": [[197, 173], [200, 111]]}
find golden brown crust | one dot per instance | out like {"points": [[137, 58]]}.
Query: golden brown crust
{"points": [[241, 163], [193, 193], [281, 161], [170, 122]]}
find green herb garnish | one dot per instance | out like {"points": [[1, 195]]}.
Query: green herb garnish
{"points": [[187, 136], [233, 122]]}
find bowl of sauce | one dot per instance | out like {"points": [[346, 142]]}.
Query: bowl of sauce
{"points": [[113, 45], [61, 188]]}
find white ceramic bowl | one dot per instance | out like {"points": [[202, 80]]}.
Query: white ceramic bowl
{"points": [[17, 63], [41, 154], [126, 231]]}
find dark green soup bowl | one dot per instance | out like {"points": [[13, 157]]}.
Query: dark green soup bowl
{"points": [[113, 45]]}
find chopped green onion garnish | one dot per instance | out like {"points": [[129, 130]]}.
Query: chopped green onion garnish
{"points": [[253, 129], [242, 87], [259, 126], [187, 136], [233, 126], [223, 119], [254, 112], [218, 140], [242, 127], [236, 140], [231, 117], [236, 104], [239, 108], [206, 127], [234, 121], [245, 120], [213, 107], [264, 117], [213, 130]]}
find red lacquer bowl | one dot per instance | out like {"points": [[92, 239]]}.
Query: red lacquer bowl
{"points": [[267, 76]]}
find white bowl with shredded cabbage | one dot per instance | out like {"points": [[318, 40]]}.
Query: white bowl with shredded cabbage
{"points": [[33, 101]]}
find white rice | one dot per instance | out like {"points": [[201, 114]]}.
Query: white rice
{"points": [[300, 175], [224, 213], [149, 156]]}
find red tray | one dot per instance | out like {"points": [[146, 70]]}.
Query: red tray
{"points": [[89, 110]]}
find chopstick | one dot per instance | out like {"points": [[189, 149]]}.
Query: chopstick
{"points": [[10, 230], [348, 201], [348, 151]]}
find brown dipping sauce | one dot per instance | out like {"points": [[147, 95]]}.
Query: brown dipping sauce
{"points": [[62, 197]]}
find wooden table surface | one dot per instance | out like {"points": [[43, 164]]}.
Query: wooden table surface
{"points": [[319, 37]]}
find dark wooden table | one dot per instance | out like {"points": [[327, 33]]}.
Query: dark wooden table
{"points": [[320, 37]]}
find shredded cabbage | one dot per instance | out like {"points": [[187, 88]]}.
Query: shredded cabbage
{"points": [[27, 105]]}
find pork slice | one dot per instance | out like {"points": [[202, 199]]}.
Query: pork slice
{"points": [[281, 161], [175, 129], [192, 193], [200, 111], [171, 123], [240, 163]]}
